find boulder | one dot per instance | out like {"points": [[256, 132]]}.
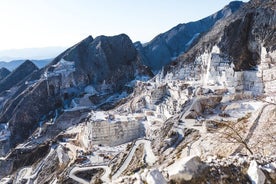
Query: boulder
{"points": [[155, 177], [255, 174], [63, 157], [203, 104], [185, 168]]}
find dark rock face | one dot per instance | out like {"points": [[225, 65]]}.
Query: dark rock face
{"points": [[4, 72], [163, 48], [109, 59], [239, 37], [17, 75], [242, 38], [28, 112], [236, 38]]}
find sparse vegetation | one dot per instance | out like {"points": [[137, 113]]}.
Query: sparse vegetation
{"points": [[235, 132]]}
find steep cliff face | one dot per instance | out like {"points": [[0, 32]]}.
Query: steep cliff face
{"points": [[166, 46], [243, 38]]}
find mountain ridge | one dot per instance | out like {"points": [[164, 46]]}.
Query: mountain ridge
{"points": [[161, 49]]}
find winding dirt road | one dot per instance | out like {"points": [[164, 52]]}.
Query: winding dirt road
{"points": [[149, 156]]}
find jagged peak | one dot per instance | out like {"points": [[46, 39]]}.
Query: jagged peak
{"points": [[27, 63], [87, 39], [122, 36], [234, 5]]}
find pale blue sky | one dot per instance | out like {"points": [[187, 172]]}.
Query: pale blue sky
{"points": [[41, 23]]}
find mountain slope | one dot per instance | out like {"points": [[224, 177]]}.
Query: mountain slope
{"points": [[17, 75], [4, 72], [166, 46], [11, 65]]}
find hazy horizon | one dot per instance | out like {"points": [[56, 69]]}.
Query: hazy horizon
{"points": [[30, 53], [63, 23]]}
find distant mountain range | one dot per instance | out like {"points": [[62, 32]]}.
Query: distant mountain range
{"points": [[14, 64], [30, 53], [12, 58]]}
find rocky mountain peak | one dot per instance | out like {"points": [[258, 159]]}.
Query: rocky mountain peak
{"points": [[101, 60], [234, 5], [27, 64], [17, 75], [88, 39]]}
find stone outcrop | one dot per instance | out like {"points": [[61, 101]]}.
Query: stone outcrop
{"points": [[229, 170], [243, 38]]}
